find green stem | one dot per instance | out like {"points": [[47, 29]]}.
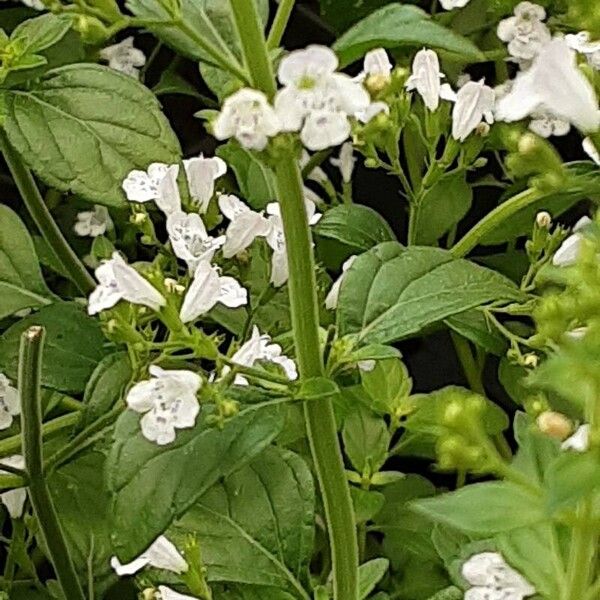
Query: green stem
{"points": [[494, 219], [30, 364], [581, 554], [249, 27], [284, 12], [470, 368], [413, 222], [43, 219]]}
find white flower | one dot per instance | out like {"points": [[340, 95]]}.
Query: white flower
{"points": [[579, 441], [166, 593], [209, 288], [426, 79], [244, 227], [331, 300], [345, 162], [374, 109], [92, 223], [376, 64], [124, 57], [14, 500], [493, 579], [35, 4], [10, 402], [143, 186], [546, 124], [590, 149], [452, 4], [168, 198], [119, 281], [202, 174], [474, 103], [568, 252], [317, 174], [316, 100], [168, 402], [525, 32], [260, 348], [581, 43], [554, 83], [162, 554], [247, 116], [189, 239]]}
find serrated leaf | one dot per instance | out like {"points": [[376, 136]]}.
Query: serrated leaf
{"points": [[84, 127], [163, 482], [357, 226], [257, 526], [370, 574], [74, 346], [400, 25], [21, 282], [392, 292], [42, 32]]}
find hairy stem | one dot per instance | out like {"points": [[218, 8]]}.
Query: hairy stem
{"points": [[319, 415], [43, 219], [284, 12], [30, 364]]}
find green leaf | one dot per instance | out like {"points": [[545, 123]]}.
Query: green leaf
{"points": [[366, 440], [473, 326], [84, 127], [337, 14], [163, 482], [250, 592], [482, 508], [21, 282], [257, 526], [356, 226], [443, 207], [256, 181], [400, 25], [370, 574], [74, 346], [388, 384], [367, 503], [391, 292], [42, 32], [105, 387]]}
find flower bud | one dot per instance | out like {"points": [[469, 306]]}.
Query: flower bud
{"points": [[543, 220], [138, 218], [173, 287], [377, 83], [453, 413], [555, 425], [149, 594], [482, 130], [531, 360]]}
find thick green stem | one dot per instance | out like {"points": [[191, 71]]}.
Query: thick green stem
{"points": [[249, 27], [469, 365], [581, 555], [320, 419], [30, 364], [284, 12], [493, 219], [43, 219]]}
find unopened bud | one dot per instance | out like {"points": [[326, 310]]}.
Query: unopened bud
{"points": [[531, 360], [229, 408], [528, 143], [138, 218], [555, 425], [173, 286], [453, 413], [482, 130], [149, 594], [544, 220], [111, 326], [377, 83]]}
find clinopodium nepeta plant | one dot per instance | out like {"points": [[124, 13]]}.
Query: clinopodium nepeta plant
{"points": [[235, 379]]}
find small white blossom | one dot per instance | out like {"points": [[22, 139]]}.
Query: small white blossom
{"points": [[374, 109], [525, 32], [119, 281], [14, 500], [92, 223], [143, 186], [492, 578], [316, 100], [452, 4], [244, 227], [474, 103], [189, 239], [248, 117], [555, 84], [10, 402], [346, 161], [209, 288], [546, 125], [568, 252], [590, 149], [579, 441], [124, 57], [162, 554], [167, 401], [331, 300], [202, 174], [317, 174], [426, 79], [260, 348], [166, 593], [376, 64], [582, 43], [35, 4]]}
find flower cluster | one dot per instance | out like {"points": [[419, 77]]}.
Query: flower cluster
{"points": [[491, 578]]}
